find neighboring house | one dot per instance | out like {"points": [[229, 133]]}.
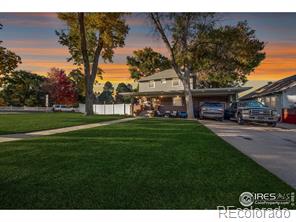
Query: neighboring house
{"points": [[164, 91], [278, 95]]}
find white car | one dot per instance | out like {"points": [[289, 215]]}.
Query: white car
{"points": [[62, 108]]}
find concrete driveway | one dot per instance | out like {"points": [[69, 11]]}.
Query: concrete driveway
{"points": [[272, 148]]}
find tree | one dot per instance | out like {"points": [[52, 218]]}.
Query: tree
{"points": [[78, 78], [8, 60], [196, 45], [106, 95], [22, 88], [179, 32], [233, 53], [92, 36], [145, 62], [122, 87], [60, 88]]}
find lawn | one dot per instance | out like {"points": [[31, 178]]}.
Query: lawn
{"points": [[27, 122], [142, 164]]}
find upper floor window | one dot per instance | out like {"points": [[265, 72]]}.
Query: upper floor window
{"points": [[176, 82], [151, 84], [163, 81]]}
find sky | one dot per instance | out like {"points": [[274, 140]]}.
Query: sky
{"points": [[32, 36]]}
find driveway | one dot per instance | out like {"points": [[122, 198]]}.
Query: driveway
{"points": [[272, 148]]}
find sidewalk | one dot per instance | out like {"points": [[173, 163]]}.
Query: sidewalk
{"points": [[22, 136], [286, 125]]}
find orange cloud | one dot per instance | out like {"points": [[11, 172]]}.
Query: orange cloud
{"points": [[280, 62], [41, 51], [112, 72]]}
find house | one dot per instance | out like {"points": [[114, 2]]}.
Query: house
{"points": [[165, 92], [278, 95]]}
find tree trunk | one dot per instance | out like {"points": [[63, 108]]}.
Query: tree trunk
{"points": [[188, 98], [88, 80], [89, 99]]}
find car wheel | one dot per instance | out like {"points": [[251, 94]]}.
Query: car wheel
{"points": [[240, 120], [272, 124]]}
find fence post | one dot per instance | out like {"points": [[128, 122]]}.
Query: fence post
{"points": [[123, 108], [113, 109], [104, 108]]}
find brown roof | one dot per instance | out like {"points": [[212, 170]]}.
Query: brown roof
{"points": [[272, 88]]}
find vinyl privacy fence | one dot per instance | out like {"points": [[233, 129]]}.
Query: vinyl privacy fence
{"points": [[109, 109]]}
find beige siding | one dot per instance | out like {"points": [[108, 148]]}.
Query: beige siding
{"points": [[167, 86]]}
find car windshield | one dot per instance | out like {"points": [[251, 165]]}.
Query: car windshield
{"points": [[214, 105], [252, 104]]}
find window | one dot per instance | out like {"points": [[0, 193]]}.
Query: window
{"points": [[151, 84], [273, 102], [267, 101], [163, 81], [176, 82], [177, 101]]}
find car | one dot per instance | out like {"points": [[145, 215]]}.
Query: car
{"points": [[251, 111], [212, 110], [62, 108]]}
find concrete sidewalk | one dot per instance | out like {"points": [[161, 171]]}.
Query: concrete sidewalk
{"points": [[22, 136], [272, 147]]}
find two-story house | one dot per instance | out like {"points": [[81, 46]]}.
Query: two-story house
{"points": [[164, 91]]}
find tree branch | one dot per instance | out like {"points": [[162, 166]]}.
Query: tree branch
{"points": [[83, 44], [159, 27], [96, 59]]}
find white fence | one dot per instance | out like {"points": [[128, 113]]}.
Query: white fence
{"points": [[24, 109], [109, 109]]}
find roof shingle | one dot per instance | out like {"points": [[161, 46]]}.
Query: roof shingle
{"points": [[274, 87]]}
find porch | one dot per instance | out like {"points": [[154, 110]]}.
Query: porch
{"points": [[147, 103]]}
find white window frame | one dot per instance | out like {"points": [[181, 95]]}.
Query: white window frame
{"points": [[163, 81], [151, 81], [179, 83]]}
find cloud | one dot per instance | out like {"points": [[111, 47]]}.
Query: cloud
{"points": [[280, 62], [40, 20]]}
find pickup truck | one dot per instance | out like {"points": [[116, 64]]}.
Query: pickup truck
{"points": [[251, 111]]}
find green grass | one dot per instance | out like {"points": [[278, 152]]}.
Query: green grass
{"points": [[27, 122], [142, 164]]}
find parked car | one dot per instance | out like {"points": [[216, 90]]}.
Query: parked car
{"points": [[62, 108], [252, 111], [212, 110]]}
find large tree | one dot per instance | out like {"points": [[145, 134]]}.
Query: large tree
{"points": [[77, 77], [60, 88], [8, 60], [232, 54], [188, 37], [122, 87], [91, 36], [22, 88], [106, 96], [145, 62]]}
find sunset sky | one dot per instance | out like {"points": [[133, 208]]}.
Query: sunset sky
{"points": [[32, 36]]}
